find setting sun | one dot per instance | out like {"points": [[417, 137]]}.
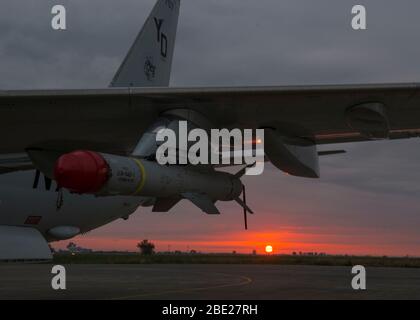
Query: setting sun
{"points": [[268, 249]]}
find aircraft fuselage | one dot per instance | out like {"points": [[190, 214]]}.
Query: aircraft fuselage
{"points": [[30, 201]]}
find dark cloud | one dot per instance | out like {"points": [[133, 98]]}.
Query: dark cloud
{"points": [[373, 189]]}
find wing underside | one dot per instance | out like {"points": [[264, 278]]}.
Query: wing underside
{"points": [[113, 120]]}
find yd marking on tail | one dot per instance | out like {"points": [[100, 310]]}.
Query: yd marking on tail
{"points": [[161, 37]]}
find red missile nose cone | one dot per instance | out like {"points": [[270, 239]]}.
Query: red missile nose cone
{"points": [[81, 171]]}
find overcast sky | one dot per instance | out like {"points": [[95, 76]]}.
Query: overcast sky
{"points": [[367, 201]]}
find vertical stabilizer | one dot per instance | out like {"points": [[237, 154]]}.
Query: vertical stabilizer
{"points": [[148, 63]]}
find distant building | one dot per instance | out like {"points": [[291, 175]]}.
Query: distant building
{"points": [[310, 254]]}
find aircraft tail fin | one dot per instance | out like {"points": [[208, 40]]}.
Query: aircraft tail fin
{"points": [[149, 61]]}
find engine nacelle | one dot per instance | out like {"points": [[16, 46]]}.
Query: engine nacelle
{"points": [[298, 158], [369, 119], [88, 172]]}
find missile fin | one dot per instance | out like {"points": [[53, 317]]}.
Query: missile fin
{"points": [[203, 202], [165, 204], [244, 205]]}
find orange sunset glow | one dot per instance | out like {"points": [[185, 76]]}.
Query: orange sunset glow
{"points": [[284, 242]]}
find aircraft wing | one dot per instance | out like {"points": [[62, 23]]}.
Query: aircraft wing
{"points": [[14, 162], [113, 120]]}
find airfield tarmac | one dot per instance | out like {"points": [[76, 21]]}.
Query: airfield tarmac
{"points": [[221, 282]]}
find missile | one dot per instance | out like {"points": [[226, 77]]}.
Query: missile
{"points": [[88, 172]]}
